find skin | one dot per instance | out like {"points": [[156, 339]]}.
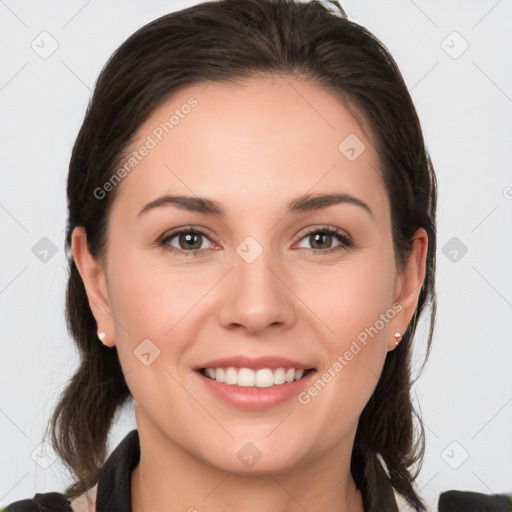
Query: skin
{"points": [[253, 147]]}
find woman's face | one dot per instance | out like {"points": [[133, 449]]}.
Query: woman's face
{"points": [[266, 280]]}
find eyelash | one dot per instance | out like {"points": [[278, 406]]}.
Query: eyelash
{"points": [[345, 241]]}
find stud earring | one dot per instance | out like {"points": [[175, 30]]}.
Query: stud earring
{"points": [[101, 336], [398, 338]]}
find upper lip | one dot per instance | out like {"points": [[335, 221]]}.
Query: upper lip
{"points": [[242, 361]]}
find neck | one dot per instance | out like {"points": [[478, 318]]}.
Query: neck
{"points": [[168, 478], [276, 494]]}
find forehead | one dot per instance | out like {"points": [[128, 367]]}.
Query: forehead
{"points": [[263, 140]]}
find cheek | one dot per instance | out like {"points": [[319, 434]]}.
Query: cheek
{"points": [[355, 306], [153, 300], [351, 298], [350, 303], [153, 308]]}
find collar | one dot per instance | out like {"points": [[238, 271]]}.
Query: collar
{"points": [[114, 482]]}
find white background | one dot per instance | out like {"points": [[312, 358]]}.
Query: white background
{"points": [[465, 106]]}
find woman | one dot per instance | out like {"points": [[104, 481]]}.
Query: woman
{"points": [[252, 235]]}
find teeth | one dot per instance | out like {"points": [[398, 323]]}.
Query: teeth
{"points": [[246, 377]]}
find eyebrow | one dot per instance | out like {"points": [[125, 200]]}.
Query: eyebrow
{"points": [[301, 204]]}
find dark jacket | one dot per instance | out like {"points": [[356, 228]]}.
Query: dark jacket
{"points": [[114, 489]]}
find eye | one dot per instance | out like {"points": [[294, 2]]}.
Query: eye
{"points": [[323, 237], [189, 241]]}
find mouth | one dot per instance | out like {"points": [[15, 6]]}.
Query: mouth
{"points": [[260, 378]]}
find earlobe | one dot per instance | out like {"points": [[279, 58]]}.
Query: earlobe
{"points": [[410, 282], [93, 276]]}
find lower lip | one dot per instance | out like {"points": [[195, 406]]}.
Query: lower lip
{"points": [[254, 398]]}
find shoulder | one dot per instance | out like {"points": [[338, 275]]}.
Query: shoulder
{"points": [[54, 501], [466, 501]]}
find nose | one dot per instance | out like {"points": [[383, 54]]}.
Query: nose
{"points": [[257, 296]]}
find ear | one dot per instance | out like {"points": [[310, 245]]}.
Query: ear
{"points": [[93, 276], [409, 283]]}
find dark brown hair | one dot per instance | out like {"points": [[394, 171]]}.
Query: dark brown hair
{"points": [[224, 41]]}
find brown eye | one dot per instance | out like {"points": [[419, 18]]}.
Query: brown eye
{"points": [[188, 241], [321, 240]]}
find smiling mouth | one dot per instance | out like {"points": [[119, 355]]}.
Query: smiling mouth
{"points": [[260, 378]]}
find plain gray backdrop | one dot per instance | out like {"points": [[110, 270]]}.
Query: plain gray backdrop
{"points": [[456, 59]]}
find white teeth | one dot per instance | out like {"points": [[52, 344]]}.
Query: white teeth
{"points": [[264, 378], [246, 377], [230, 376], [279, 376]]}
